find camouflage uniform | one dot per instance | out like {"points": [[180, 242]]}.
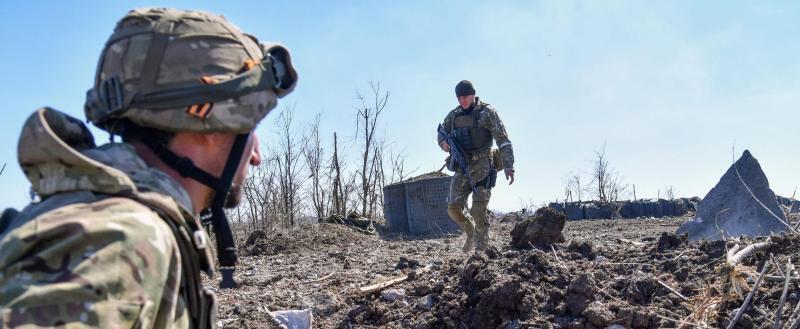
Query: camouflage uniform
{"points": [[481, 164], [115, 243]]}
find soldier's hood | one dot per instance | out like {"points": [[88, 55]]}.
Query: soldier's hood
{"points": [[58, 154]]}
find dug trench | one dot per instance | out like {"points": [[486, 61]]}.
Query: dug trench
{"points": [[605, 274]]}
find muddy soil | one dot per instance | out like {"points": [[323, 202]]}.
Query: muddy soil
{"points": [[617, 274]]}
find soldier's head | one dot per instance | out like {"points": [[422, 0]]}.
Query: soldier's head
{"points": [[465, 94], [188, 88]]}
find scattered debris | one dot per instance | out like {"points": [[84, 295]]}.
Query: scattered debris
{"points": [[642, 278], [353, 220], [391, 295], [294, 319]]}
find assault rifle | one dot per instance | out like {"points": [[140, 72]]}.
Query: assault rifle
{"points": [[457, 156]]}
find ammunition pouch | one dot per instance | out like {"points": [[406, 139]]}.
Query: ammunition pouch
{"points": [[463, 138], [497, 159]]}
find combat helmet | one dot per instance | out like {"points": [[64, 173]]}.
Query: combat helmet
{"points": [[176, 70]]}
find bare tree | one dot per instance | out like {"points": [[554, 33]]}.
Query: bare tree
{"points": [[606, 184], [399, 171], [298, 178], [260, 191], [314, 155], [339, 200], [670, 193], [375, 196], [366, 122], [3, 169], [574, 187], [288, 165], [615, 188]]}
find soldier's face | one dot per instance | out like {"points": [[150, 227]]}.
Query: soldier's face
{"points": [[250, 157], [466, 101]]}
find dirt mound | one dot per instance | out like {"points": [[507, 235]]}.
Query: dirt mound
{"points": [[309, 237], [540, 231], [617, 274]]}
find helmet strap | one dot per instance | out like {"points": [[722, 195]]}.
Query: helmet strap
{"points": [[226, 247]]}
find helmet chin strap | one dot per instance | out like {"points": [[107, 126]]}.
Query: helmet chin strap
{"points": [[226, 247]]}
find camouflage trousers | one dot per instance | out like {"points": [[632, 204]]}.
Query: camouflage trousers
{"points": [[477, 231]]}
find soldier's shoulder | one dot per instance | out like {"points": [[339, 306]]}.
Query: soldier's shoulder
{"points": [[93, 242], [452, 113], [487, 107], [120, 219], [488, 112]]}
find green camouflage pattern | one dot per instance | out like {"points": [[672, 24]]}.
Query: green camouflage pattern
{"points": [[199, 45], [480, 165], [97, 251], [490, 120]]}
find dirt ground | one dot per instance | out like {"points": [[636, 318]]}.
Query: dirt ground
{"points": [[607, 274]]}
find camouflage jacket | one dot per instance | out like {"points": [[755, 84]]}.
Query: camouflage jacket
{"points": [[491, 121], [113, 243]]}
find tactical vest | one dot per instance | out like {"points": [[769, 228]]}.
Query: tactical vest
{"points": [[468, 134]]}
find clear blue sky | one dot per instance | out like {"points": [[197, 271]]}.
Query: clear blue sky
{"points": [[669, 86]]}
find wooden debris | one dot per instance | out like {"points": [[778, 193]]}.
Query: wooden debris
{"points": [[320, 279], [393, 281], [672, 290]]}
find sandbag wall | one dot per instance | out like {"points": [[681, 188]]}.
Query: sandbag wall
{"points": [[419, 206], [625, 209]]}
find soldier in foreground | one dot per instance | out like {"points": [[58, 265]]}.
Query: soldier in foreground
{"points": [[467, 133], [116, 241]]}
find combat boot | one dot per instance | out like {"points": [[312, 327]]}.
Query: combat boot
{"points": [[456, 212], [469, 244]]}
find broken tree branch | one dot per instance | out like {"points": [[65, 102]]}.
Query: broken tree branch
{"points": [[795, 316], [774, 278], [777, 267], [672, 290], [736, 256], [779, 311], [320, 279], [393, 281]]}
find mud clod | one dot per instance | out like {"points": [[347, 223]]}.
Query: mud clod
{"points": [[671, 241], [579, 294], [598, 314], [542, 230]]}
